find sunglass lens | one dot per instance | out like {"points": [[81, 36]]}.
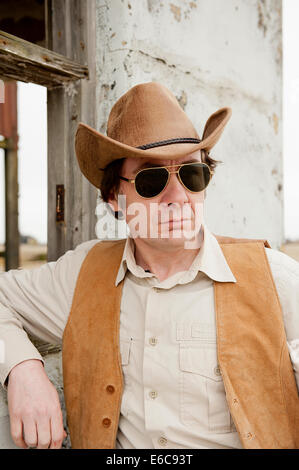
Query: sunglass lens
{"points": [[150, 182], [195, 176]]}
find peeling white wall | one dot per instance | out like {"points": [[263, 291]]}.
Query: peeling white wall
{"points": [[210, 53]]}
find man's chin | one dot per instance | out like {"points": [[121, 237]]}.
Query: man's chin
{"points": [[173, 238], [178, 231]]}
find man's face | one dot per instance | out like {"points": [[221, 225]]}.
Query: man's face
{"points": [[169, 218]]}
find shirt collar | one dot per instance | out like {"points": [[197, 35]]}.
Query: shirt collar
{"points": [[209, 260]]}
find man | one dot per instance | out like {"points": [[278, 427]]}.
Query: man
{"points": [[174, 338]]}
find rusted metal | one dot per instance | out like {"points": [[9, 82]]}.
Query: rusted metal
{"points": [[8, 113], [12, 238], [27, 62], [60, 202], [9, 130]]}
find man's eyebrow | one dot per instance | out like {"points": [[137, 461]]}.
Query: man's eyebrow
{"points": [[153, 165], [145, 165]]}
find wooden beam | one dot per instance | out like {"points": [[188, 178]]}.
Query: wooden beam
{"points": [[27, 62], [71, 32]]}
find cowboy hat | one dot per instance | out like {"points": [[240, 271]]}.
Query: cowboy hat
{"points": [[147, 121]]}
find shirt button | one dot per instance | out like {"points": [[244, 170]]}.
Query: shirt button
{"points": [[162, 441], [217, 370], [153, 341], [110, 389], [106, 422], [153, 394]]}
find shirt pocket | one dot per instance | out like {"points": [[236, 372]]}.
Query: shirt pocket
{"points": [[203, 403], [125, 355]]}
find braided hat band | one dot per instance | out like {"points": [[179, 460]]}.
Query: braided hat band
{"points": [[179, 140]]}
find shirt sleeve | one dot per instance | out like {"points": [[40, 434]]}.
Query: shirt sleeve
{"points": [[36, 301], [285, 271]]}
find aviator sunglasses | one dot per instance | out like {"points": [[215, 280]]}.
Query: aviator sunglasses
{"points": [[150, 182]]}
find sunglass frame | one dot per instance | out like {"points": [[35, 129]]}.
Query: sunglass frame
{"points": [[129, 180]]}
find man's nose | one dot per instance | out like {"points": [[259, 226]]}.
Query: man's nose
{"points": [[174, 191]]}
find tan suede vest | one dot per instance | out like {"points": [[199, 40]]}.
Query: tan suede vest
{"points": [[252, 352]]}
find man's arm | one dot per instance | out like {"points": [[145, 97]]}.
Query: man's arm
{"points": [[36, 301], [285, 271]]}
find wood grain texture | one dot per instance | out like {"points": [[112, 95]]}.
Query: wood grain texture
{"points": [[70, 32], [27, 62]]}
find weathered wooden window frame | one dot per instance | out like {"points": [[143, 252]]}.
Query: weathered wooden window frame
{"points": [[67, 68]]}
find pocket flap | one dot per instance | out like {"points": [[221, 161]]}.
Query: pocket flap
{"points": [[200, 360], [204, 332]]}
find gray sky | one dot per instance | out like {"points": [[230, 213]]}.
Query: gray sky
{"points": [[32, 123]]}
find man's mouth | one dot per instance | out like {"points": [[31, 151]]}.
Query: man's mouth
{"points": [[175, 221], [176, 224]]}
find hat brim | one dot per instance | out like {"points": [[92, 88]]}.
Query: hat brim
{"points": [[95, 150]]}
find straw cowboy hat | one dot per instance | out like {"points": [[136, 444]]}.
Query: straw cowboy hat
{"points": [[147, 121]]}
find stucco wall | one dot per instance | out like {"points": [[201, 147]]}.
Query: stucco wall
{"points": [[210, 53]]}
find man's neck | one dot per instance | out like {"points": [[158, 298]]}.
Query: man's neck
{"points": [[164, 259]]}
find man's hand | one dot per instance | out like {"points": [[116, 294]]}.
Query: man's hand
{"points": [[34, 407]]}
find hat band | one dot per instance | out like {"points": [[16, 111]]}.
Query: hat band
{"points": [[179, 140]]}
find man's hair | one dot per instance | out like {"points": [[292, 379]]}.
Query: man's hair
{"points": [[111, 181]]}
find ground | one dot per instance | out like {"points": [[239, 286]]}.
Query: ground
{"points": [[291, 249], [31, 256]]}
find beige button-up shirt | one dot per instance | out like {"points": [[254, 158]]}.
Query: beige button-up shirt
{"points": [[173, 395]]}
